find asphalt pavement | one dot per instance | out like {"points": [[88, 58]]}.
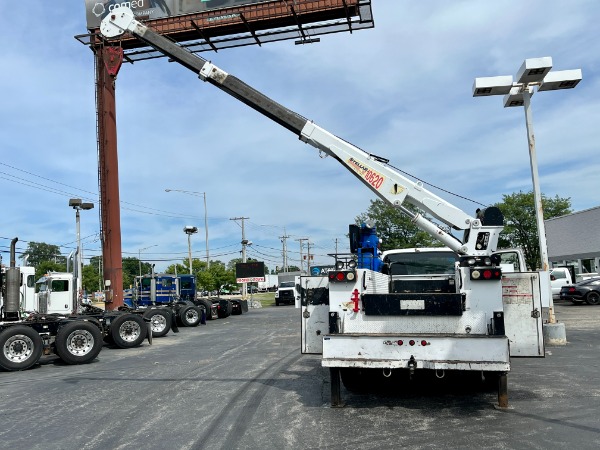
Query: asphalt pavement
{"points": [[241, 383]]}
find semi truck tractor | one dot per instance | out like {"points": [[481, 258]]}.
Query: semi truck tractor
{"points": [[25, 338], [487, 317]]}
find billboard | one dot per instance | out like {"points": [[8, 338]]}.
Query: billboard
{"points": [[250, 272], [320, 271], [96, 10]]}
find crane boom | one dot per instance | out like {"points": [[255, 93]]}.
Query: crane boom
{"points": [[481, 232]]}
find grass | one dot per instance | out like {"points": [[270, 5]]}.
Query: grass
{"points": [[265, 298]]}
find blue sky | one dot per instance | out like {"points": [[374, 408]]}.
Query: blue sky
{"points": [[402, 90]]}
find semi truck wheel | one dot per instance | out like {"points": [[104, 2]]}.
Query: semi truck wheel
{"points": [[128, 330], [208, 307], [190, 316], [160, 321], [78, 342], [20, 348]]}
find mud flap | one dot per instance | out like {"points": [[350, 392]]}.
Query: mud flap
{"points": [[149, 335], [174, 327]]}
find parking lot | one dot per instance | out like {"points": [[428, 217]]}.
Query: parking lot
{"points": [[241, 382]]}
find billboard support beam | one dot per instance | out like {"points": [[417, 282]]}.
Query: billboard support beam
{"points": [[250, 30], [203, 36]]}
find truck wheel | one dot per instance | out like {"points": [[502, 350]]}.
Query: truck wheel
{"points": [[160, 321], [208, 306], [190, 316], [593, 298], [78, 342], [20, 348], [128, 330]]}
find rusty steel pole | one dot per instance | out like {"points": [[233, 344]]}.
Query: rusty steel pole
{"points": [[107, 67]]}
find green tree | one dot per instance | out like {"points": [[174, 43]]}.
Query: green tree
{"points": [[38, 252], [92, 275], [394, 228], [45, 267], [221, 276], [289, 269], [520, 225], [91, 281], [131, 269]]}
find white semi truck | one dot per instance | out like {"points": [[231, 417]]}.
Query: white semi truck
{"points": [[26, 337], [488, 317]]}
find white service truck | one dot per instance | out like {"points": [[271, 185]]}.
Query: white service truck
{"points": [[288, 289], [368, 325]]}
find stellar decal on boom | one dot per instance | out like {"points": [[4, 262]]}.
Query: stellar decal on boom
{"points": [[372, 177]]}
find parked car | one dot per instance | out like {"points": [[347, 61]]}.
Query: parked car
{"points": [[585, 291]]}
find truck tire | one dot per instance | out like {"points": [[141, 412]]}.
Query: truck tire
{"points": [[190, 316], [78, 342], [160, 321], [20, 348], [128, 330], [208, 306]]}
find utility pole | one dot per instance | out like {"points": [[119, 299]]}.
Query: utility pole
{"points": [[301, 245], [245, 242], [284, 252]]}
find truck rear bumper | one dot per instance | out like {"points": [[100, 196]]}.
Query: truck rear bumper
{"points": [[489, 353]]}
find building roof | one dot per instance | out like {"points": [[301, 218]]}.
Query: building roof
{"points": [[574, 236]]}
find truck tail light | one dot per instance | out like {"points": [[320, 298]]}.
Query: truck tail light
{"points": [[342, 276], [486, 274]]}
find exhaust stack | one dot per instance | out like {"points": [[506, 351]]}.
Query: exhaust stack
{"points": [[13, 283]]}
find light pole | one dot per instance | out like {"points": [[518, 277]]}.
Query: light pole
{"points": [[189, 230], [205, 217], [77, 205], [533, 72], [140, 255]]}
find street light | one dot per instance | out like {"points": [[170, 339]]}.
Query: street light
{"points": [[533, 72], [140, 255], [78, 205], [194, 193], [189, 230]]}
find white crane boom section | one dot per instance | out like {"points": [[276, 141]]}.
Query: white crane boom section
{"points": [[481, 236]]}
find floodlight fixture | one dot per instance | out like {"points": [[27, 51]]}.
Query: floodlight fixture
{"points": [[190, 229], [533, 70], [485, 86], [561, 79], [515, 97]]}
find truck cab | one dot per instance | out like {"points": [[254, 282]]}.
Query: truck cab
{"points": [[55, 293], [288, 292], [421, 269]]}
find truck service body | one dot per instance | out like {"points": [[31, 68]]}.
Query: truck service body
{"points": [[358, 322]]}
